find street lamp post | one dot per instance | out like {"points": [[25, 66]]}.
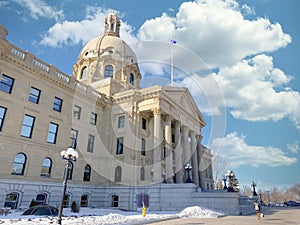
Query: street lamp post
{"points": [[188, 168], [69, 155], [254, 185], [224, 179], [230, 176]]}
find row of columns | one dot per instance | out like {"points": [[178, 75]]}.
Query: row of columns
{"points": [[185, 152]]}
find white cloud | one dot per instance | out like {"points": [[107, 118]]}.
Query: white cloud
{"points": [[253, 91], [235, 150], [39, 8], [69, 33], [294, 147], [217, 31]]}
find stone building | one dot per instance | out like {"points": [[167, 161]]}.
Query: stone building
{"points": [[132, 141]]}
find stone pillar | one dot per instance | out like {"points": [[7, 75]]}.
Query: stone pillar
{"points": [[157, 146], [168, 145], [178, 154], [186, 146], [195, 175]]}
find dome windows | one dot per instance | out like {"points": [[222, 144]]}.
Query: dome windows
{"points": [[131, 78], [108, 71], [83, 73]]}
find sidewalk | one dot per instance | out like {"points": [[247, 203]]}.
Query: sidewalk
{"points": [[273, 216]]}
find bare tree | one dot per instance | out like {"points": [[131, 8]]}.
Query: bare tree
{"points": [[220, 167]]}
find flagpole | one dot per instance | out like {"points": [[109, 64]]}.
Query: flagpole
{"points": [[172, 70]]}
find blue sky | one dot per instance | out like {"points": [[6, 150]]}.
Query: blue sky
{"points": [[249, 93]]}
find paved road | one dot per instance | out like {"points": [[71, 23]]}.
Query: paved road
{"points": [[273, 216]]}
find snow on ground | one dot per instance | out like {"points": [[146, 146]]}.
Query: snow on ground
{"points": [[96, 216]]}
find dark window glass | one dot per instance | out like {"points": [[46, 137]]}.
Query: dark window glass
{"points": [[144, 123], [118, 174], [57, 104], [46, 167], [143, 147], [84, 201], [52, 133], [11, 200], [74, 136], [2, 116], [93, 119], [19, 164], [142, 199], [142, 173], [76, 112], [109, 71], [121, 121], [83, 73], [41, 199], [87, 173], [34, 95], [119, 146], [90, 146], [115, 201], [27, 126], [131, 78], [6, 83]]}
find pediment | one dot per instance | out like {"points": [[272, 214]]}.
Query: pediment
{"points": [[182, 98]]}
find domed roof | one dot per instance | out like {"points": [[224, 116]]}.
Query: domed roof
{"points": [[109, 43]]}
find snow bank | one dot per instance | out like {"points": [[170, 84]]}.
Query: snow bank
{"points": [[199, 212]]}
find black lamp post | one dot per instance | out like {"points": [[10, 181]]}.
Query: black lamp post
{"points": [[225, 179], [69, 155], [254, 185], [188, 168], [230, 176]]}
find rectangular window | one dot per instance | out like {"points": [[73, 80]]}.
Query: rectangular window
{"points": [[121, 121], [57, 104], [2, 116], [76, 112], [143, 147], [52, 133], [93, 119], [144, 123], [34, 95], [6, 83], [74, 136], [90, 146], [120, 146], [27, 126]]}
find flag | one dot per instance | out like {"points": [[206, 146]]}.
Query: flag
{"points": [[173, 41]]}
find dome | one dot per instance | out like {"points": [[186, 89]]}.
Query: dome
{"points": [[108, 57]]}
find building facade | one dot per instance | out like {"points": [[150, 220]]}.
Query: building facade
{"points": [[131, 140]]}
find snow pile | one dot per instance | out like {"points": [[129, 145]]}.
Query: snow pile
{"points": [[97, 216], [199, 212]]}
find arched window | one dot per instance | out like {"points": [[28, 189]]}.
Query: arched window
{"points": [[87, 173], [11, 200], [109, 71], [83, 73], [131, 79], [142, 173], [70, 173], [19, 164], [46, 167], [41, 199], [66, 201], [84, 201], [114, 201], [118, 174]]}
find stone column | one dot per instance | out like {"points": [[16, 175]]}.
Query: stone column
{"points": [[186, 146], [178, 154], [195, 175], [169, 157], [157, 146]]}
